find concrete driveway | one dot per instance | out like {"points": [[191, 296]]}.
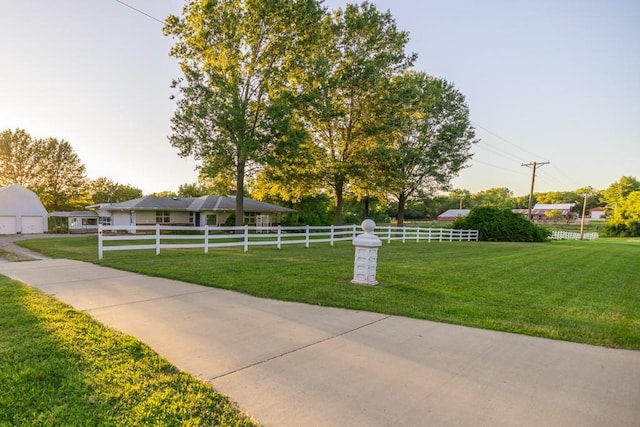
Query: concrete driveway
{"points": [[290, 364]]}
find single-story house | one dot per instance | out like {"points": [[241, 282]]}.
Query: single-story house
{"points": [[539, 211], [452, 214], [196, 211], [597, 213], [21, 211]]}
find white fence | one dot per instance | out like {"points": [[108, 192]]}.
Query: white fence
{"points": [[571, 235], [159, 237]]}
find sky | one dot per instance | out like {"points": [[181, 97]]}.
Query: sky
{"points": [[553, 81]]}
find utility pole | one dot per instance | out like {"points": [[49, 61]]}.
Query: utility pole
{"points": [[534, 166], [584, 211]]}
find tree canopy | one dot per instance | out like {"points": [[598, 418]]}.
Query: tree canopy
{"points": [[237, 59], [428, 140], [623, 207], [104, 190], [49, 167]]}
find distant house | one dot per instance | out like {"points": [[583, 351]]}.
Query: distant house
{"points": [[452, 214], [21, 211], [196, 211], [597, 213], [539, 211]]}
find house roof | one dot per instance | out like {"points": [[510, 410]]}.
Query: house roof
{"points": [[18, 200], [554, 206], [541, 211], [195, 204], [454, 213], [77, 214]]}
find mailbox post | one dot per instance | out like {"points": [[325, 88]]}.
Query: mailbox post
{"points": [[366, 256]]}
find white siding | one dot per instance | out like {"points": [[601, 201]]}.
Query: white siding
{"points": [[145, 217], [121, 218]]}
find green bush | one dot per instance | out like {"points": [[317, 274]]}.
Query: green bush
{"points": [[621, 229], [501, 225]]}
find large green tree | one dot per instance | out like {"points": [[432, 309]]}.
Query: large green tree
{"points": [[50, 167], [623, 207], [234, 100], [20, 158], [500, 197], [104, 190], [428, 139], [62, 176], [614, 195], [360, 49]]}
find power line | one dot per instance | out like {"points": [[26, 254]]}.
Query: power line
{"points": [[139, 11], [502, 138], [495, 150], [498, 167]]}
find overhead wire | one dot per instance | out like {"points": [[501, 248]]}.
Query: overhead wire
{"points": [[550, 176], [140, 11], [504, 139]]}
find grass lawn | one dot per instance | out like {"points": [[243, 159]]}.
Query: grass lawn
{"points": [[582, 291], [60, 367]]}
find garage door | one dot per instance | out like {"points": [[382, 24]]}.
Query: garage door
{"points": [[7, 225], [32, 225]]}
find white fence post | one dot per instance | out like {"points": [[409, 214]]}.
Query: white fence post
{"points": [[306, 237], [279, 238], [206, 239], [332, 235], [157, 239], [246, 237], [100, 252]]}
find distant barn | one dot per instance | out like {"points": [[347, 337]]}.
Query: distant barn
{"points": [[540, 210], [452, 214]]}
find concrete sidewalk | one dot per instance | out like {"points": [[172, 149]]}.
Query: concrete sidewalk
{"points": [[290, 364]]}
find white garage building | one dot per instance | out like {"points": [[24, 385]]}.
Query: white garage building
{"points": [[21, 211]]}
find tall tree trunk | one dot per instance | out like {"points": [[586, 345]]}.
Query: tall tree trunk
{"points": [[402, 200], [339, 202], [366, 207], [240, 195]]}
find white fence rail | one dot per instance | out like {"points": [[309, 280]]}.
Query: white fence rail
{"points": [[571, 235], [158, 237]]}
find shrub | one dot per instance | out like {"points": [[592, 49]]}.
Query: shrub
{"points": [[501, 225]]}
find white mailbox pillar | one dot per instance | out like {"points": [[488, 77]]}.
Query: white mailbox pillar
{"points": [[366, 259]]}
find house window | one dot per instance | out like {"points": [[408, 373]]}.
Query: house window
{"points": [[249, 217], [212, 219], [163, 217], [191, 221], [104, 220]]}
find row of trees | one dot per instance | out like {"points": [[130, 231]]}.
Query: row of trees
{"points": [[52, 169], [58, 179], [304, 101]]}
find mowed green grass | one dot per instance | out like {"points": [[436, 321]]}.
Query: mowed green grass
{"points": [[59, 367], [582, 291]]}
